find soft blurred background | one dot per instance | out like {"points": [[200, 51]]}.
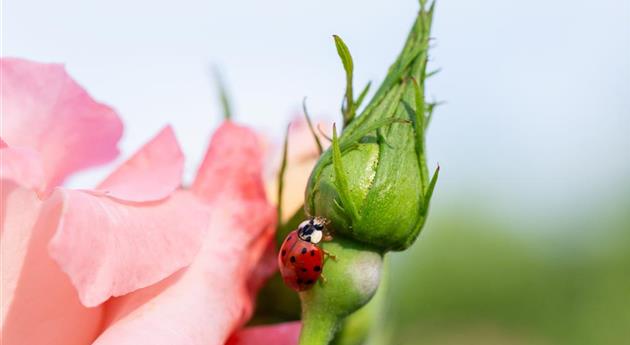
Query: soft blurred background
{"points": [[528, 241]]}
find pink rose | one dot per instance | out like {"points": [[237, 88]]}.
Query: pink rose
{"points": [[137, 259]]}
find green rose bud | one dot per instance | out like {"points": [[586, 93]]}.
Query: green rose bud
{"points": [[373, 187], [373, 183]]}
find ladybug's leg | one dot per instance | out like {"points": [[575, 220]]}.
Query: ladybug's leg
{"points": [[329, 254], [327, 236], [323, 279]]}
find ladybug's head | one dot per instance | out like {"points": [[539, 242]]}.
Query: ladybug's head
{"points": [[312, 230]]}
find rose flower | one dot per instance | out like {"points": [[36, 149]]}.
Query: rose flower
{"points": [[137, 259]]}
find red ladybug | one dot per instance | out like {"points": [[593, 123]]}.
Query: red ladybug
{"points": [[300, 259]]}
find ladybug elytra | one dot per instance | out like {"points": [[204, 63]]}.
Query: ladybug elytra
{"points": [[300, 259]]}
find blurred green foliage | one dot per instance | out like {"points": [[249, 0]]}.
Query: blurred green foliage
{"points": [[475, 277]]}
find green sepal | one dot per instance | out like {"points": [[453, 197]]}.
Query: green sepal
{"points": [[430, 108], [341, 180], [419, 132], [429, 192], [348, 109], [223, 94], [310, 127], [362, 95], [432, 73], [281, 173]]}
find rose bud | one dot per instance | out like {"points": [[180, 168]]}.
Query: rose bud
{"points": [[373, 188], [373, 183]]}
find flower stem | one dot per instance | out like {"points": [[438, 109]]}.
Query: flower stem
{"points": [[318, 328]]}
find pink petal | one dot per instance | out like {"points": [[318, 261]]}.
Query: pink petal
{"points": [[21, 165], [153, 173], [232, 166], [279, 334], [207, 301], [39, 304], [110, 248], [47, 111], [235, 148]]}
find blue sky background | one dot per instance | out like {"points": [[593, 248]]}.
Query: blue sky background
{"points": [[537, 120]]}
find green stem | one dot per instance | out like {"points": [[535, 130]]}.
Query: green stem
{"points": [[318, 328]]}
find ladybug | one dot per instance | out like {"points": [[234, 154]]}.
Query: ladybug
{"points": [[300, 259]]}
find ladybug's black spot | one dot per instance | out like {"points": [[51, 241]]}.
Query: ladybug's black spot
{"points": [[317, 268], [293, 259], [309, 282], [304, 269], [304, 250], [284, 252], [312, 252]]}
